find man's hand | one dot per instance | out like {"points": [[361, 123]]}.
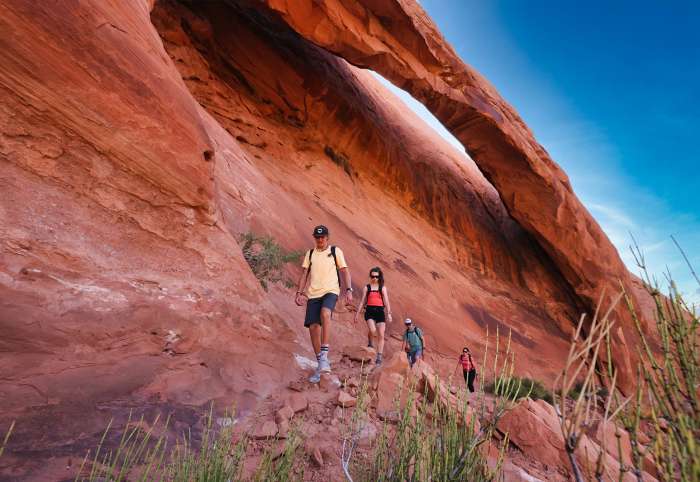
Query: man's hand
{"points": [[388, 318], [300, 298], [348, 297]]}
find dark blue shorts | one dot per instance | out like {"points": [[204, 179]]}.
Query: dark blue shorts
{"points": [[314, 305], [413, 355]]}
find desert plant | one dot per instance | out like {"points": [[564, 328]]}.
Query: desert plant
{"points": [[440, 438], [267, 258], [358, 421], [583, 358], [666, 395], [669, 381], [522, 388], [142, 455]]}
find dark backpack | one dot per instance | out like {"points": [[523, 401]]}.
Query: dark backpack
{"points": [[381, 293], [419, 334], [337, 272]]}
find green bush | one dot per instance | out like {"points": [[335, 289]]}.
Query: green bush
{"points": [[521, 388], [144, 456], [267, 259]]}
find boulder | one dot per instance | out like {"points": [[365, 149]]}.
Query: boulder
{"points": [[297, 386], [345, 400], [265, 430], [279, 449], [351, 382], [367, 434], [283, 429], [607, 434], [329, 382], [534, 427], [535, 432], [284, 414], [391, 396], [360, 353], [398, 363], [298, 402], [315, 455]]}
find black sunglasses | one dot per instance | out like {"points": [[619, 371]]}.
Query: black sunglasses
{"points": [[374, 276]]}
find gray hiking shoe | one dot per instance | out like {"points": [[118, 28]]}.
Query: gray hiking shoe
{"points": [[316, 377], [323, 364], [378, 361]]}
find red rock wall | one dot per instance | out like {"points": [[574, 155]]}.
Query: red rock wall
{"points": [[138, 141], [397, 39]]}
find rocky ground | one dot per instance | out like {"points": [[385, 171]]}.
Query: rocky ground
{"points": [[322, 414]]}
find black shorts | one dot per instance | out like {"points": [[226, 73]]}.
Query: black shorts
{"points": [[375, 313], [314, 305]]}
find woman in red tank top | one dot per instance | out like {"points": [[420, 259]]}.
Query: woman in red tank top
{"points": [[468, 368], [375, 301]]}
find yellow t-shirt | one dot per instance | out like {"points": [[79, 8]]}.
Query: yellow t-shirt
{"points": [[324, 278]]}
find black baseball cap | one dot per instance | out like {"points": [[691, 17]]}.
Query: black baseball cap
{"points": [[320, 230]]}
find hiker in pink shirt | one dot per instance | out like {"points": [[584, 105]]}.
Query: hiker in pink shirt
{"points": [[468, 368]]}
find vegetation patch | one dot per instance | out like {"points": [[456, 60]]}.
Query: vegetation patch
{"points": [[520, 388], [267, 259]]}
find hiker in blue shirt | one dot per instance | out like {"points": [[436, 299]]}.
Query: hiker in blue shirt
{"points": [[413, 343]]}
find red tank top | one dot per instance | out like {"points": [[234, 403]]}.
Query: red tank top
{"points": [[374, 298], [467, 364]]}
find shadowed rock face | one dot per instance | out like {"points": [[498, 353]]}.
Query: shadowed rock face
{"points": [[139, 140]]}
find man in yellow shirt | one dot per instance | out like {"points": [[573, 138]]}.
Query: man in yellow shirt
{"points": [[323, 266]]}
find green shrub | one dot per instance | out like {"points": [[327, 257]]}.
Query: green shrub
{"points": [[521, 388], [267, 259], [601, 392]]}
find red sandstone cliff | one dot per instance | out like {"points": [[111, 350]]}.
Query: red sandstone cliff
{"points": [[137, 141]]}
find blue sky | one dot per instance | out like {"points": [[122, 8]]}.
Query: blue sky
{"points": [[612, 91]]}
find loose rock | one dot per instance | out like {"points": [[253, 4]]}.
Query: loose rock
{"points": [[298, 402], [266, 430], [284, 414], [345, 400]]}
